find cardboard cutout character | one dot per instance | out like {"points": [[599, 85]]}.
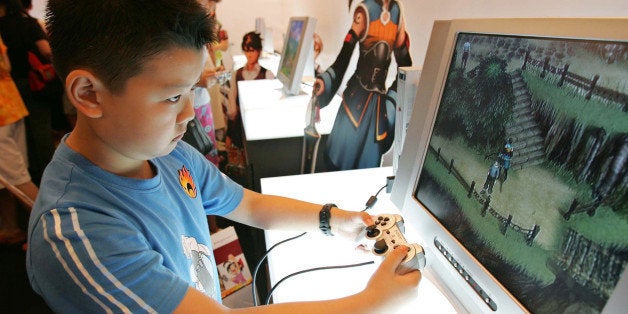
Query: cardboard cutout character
{"points": [[364, 127]]}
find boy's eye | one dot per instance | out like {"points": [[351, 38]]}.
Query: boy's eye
{"points": [[174, 99]]}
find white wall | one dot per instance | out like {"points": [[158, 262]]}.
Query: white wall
{"points": [[334, 19]]}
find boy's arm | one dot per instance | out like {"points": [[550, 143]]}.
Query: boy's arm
{"points": [[282, 213], [385, 292]]}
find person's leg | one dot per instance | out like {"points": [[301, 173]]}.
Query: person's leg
{"points": [[10, 232], [38, 131], [8, 213], [13, 169]]}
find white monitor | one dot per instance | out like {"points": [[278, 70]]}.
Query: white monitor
{"points": [[514, 167], [296, 53]]}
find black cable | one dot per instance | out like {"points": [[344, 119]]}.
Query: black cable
{"points": [[270, 293], [259, 263], [371, 201]]}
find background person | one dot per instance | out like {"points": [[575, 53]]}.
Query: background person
{"points": [[13, 156]]}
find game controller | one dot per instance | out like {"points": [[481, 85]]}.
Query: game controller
{"points": [[387, 234]]}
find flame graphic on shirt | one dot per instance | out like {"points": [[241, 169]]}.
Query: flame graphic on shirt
{"points": [[187, 183]]}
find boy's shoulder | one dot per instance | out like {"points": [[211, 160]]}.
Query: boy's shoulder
{"points": [[70, 167]]}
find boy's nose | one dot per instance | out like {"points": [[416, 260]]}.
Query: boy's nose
{"points": [[187, 113]]}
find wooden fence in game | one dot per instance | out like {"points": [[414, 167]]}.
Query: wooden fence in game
{"points": [[505, 222], [589, 85], [589, 264]]}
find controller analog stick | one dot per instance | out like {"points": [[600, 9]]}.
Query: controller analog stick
{"points": [[372, 231], [380, 246]]}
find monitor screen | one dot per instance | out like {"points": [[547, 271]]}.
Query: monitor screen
{"points": [[523, 163], [297, 48]]}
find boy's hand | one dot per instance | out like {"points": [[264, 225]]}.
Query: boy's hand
{"points": [[349, 224], [387, 289]]}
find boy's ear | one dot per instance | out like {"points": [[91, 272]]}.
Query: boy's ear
{"points": [[85, 92]]}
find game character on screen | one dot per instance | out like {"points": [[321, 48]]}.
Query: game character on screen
{"points": [[505, 157], [364, 127], [120, 222], [466, 50], [491, 177]]}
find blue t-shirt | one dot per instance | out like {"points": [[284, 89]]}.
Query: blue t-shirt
{"points": [[99, 242]]}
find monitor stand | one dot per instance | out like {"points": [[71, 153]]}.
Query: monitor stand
{"points": [[285, 95]]}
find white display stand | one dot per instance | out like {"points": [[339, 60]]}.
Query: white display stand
{"points": [[267, 113], [349, 190], [274, 122]]}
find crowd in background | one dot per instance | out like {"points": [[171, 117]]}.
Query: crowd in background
{"points": [[31, 121]]}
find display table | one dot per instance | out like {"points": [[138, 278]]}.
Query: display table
{"points": [[349, 190], [273, 127]]}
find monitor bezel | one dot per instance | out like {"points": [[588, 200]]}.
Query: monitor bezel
{"points": [[292, 82]]}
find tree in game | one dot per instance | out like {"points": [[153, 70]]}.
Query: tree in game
{"points": [[491, 103]]}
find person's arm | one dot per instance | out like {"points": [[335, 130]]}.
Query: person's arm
{"points": [[44, 49], [385, 292], [276, 212], [232, 107], [5, 63], [221, 45], [329, 81], [210, 71]]}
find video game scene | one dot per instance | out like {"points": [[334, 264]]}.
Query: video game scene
{"points": [[527, 165], [292, 47]]}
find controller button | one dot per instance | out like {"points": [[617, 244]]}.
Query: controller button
{"points": [[380, 246], [386, 219], [372, 232]]}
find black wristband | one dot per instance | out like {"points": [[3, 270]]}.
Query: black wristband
{"points": [[323, 218]]}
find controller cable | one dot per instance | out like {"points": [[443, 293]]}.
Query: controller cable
{"points": [[253, 285], [369, 204], [270, 293]]}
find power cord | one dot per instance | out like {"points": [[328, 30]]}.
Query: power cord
{"points": [[270, 293], [259, 264], [369, 204]]}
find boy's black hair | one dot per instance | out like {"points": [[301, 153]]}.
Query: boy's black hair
{"points": [[13, 7], [26, 4], [114, 38], [252, 40]]}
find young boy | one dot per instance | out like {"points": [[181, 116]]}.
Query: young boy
{"points": [[119, 224]]}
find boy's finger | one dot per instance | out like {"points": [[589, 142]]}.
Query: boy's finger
{"points": [[395, 257], [367, 219]]}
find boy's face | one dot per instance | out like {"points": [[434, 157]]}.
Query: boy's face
{"points": [[150, 115]]}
